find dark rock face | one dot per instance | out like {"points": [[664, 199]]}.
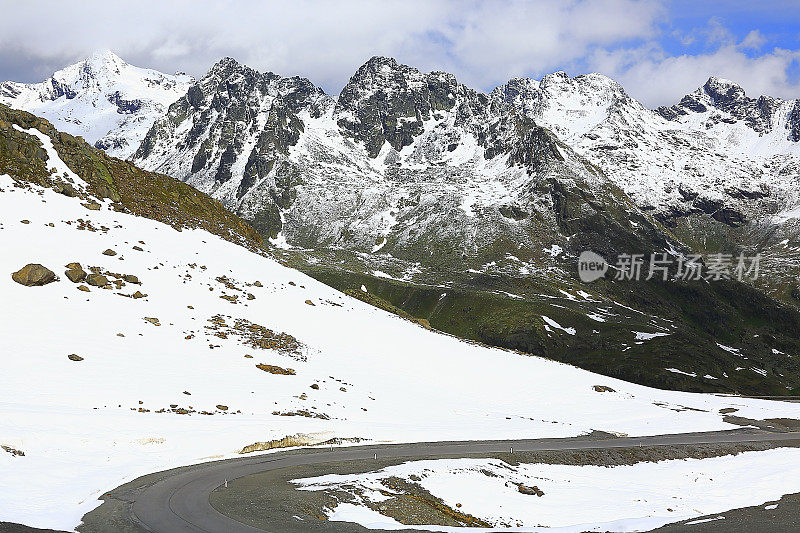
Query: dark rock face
{"points": [[34, 275], [60, 89], [793, 125], [237, 116], [386, 101], [125, 107]]}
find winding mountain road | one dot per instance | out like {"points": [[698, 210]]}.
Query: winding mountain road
{"points": [[179, 502]]}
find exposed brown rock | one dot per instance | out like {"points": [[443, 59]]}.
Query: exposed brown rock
{"points": [[272, 369], [97, 280], [34, 275], [75, 275]]}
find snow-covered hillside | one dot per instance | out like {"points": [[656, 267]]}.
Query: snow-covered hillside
{"points": [[169, 376], [570, 498], [103, 99]]}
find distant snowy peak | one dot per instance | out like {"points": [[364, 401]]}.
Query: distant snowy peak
{"points": [[104, 99]]}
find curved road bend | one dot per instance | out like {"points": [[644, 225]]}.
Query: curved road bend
{"points": [[179, 503]]}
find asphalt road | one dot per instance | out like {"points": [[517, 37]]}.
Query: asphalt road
{"points": [[179, 502]]}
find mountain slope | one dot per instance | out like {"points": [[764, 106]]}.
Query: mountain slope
{"points": [[459, 208], [108, 102], [164, 379]]}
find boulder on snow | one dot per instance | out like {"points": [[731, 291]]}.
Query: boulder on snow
{"points": [[74, 357], [97, 280], [110, 252], [530, 491], [34, 274], [75, 275]]}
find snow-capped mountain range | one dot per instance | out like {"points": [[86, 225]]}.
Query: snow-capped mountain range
{"points": [[104, 99], [402, 163], [298, 162]]}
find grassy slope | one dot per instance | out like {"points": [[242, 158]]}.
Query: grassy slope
{"points": [[131, 189]]}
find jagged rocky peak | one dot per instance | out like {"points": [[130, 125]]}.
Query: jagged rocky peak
{"points": [[231, 128], [230, 81], [385, 101], [727, 101]]}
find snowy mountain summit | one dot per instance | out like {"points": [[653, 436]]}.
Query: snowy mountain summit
{"points": [[104, 99]]}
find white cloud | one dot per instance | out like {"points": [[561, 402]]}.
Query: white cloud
{"points": [[483, 43], [654, 78], [753, 41]]}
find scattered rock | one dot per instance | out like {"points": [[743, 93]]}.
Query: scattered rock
{"points": [[13, 451], [91, 206], [97, 280], [342, 389], [152, 320], [25, 221], [309, 302], [84, 288], [531, 491], [272, 369], [248, 356], [74, 357], [130, 278], [138, 248], [138, 295], [75, 275], [222, 407], [34, 274], [257, 284], [727, 410], [110, 252], [603, 388], [315, 386]]}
